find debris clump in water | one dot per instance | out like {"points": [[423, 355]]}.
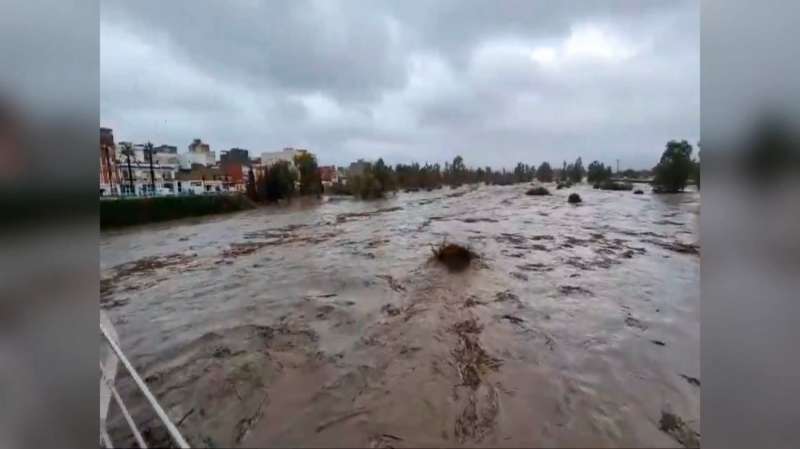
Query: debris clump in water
{"points": [[455, 257], [678, 429], [538, 191]]}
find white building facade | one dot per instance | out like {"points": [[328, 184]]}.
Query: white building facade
{"points": [[163, 177], [287, 154]]}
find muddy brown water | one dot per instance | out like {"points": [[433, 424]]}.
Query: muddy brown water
{"points": [[327, 324]]}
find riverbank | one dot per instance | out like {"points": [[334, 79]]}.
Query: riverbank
{"points": [[128, 212]]}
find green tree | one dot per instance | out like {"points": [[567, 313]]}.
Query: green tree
{"points": [[251, 185], [278, 181], [576, 171], [674, 168], [384, 175], [544, 173], [598, 173], [127, 150], [148, 151], [365, 185], [564, 174], [457, 170], [310, 180], [520, 172]]}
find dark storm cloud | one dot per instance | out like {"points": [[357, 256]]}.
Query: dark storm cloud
{"points": [[494, 81]]}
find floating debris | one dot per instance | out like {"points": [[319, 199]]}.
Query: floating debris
{"points": [[678, 429], [570, 289], [454, 257], [692, 380], [513, 319], [538, 191]]}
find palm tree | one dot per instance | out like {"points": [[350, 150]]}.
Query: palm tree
{"points": [[127, 150], [148, 147]]}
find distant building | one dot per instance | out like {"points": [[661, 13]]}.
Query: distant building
{"points": [[201, 153], [187, 160], [109, 174], [139, 173], [328, 175], [287, 154], [138, 151], [167, 149], [166, 159], [235, 164], [120, 148], [341, 175], [236, 175], [236, 155], [197, 146], [201, 179], [133, 170], [357, 168], [165, 154]]}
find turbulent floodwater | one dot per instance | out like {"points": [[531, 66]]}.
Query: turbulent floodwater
{"points": [[327, 324]]}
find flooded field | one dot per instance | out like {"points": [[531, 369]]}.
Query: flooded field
{"points": [[329, 324]]}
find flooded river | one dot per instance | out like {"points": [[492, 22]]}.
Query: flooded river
{"points": [[327, 323]]}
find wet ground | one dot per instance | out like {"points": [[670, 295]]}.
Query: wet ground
{"points": [[328, 323]]}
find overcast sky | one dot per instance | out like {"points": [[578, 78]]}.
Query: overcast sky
{"points": [[495, 81]]}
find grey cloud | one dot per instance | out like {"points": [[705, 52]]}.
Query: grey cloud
{"points": [[406, 80], [295, 45]]}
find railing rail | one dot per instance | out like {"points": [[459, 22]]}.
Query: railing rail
{"points": [[109, 381]]}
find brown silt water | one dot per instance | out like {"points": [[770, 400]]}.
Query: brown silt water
{"points": [[333, 323]]}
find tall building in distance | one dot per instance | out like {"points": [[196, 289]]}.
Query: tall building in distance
{"points": [[166, 149], [235, 155], [199, 153], [198, 146], [287, 154]]}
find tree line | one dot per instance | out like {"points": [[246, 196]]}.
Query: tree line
{"points": [[376, 179], [282, 180]]}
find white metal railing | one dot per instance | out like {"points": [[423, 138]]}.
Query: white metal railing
{"points": [[109, 391]]}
